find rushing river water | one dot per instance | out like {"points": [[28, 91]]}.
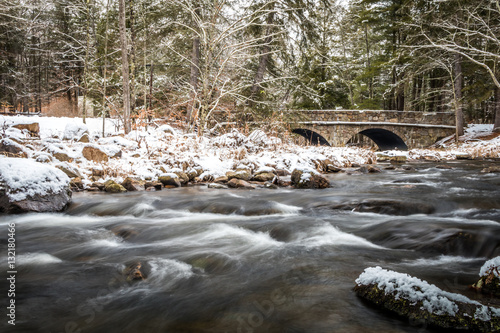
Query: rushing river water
{"points": [[260, 260]]}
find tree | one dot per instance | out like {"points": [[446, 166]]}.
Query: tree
{"points": [[125, 67], [471, 31]]}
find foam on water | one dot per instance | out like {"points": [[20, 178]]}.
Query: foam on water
{"points": [[441, 260], [227, 239], [168, 271], [327, 234], [286, 209], [40, 258]]}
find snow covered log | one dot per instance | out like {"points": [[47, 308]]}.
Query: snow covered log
{"points": [[29, 186], [420, 301]]}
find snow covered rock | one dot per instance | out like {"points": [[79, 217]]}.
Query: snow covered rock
{"points": [[169, 179], [133, 185], [11, 148], [69, 170], [166, 129], [95, 154], [420, 301], [74, 131], [29, 186], [33, 128], [308, 178], [243, 174], [489, 281]]}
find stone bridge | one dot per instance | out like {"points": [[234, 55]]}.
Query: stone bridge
{"points": [[388, 129]]}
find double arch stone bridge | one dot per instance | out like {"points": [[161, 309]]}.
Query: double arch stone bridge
{"points": [[401, 130]]}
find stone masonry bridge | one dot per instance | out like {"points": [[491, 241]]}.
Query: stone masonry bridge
{"points": [[388, 129]]}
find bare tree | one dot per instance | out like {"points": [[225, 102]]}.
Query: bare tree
{"points": [[223, 54], [125, 67], [471, 32]]}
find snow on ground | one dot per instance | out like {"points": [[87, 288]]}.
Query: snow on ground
{"points": [[148, 153], [434, 300]]}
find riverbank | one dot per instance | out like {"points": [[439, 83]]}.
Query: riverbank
{"points": [[145, 155]]}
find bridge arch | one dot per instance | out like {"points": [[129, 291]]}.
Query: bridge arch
{"points": [[311, 136], [384, 139]]}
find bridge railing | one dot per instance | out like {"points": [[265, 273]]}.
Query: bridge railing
{"points": [[382, 116]]}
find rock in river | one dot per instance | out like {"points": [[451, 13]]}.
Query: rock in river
{"points": [[424, 303], [29, 186], [308, 178], [489, 281], [389, 207]]}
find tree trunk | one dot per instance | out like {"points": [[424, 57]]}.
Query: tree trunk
{"points": [[195, 74], [132, 61], [458, 96], [125, 69], [264, 58], [105, 79], [496, 126]]}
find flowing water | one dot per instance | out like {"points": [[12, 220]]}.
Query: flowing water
{"points": [[263, 260]]}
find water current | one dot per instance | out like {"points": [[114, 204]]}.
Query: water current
{"points": [[264, 260]]}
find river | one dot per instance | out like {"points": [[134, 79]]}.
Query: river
{"points": [[261, 260]]}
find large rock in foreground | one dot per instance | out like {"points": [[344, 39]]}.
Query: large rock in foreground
{"points": [[422, 302], [29, 186]]}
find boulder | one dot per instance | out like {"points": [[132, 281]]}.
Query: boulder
{"points": [[43, 157], [98, 172], [23, 190], [240, 183], [32, 128], [12, 149], [264, 177], [489, 278], [169, 179], [135, 272], [183, 177], [156, 186], [113, 187], [282, 173], [84, 138], [62, 157], [243, 174], [125, 232], [76, 184], [221, 180], [308, 178], [387, 206], [493, 169], [92, 153], [74, 131], [100, 186], [133, 185], [369, 169], [424, 303], [69, 170]]}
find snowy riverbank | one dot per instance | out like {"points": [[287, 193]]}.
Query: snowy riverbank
{"points": [[81, 150]]}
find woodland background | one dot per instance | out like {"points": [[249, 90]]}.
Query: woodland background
{"points": [[191, 59]]}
